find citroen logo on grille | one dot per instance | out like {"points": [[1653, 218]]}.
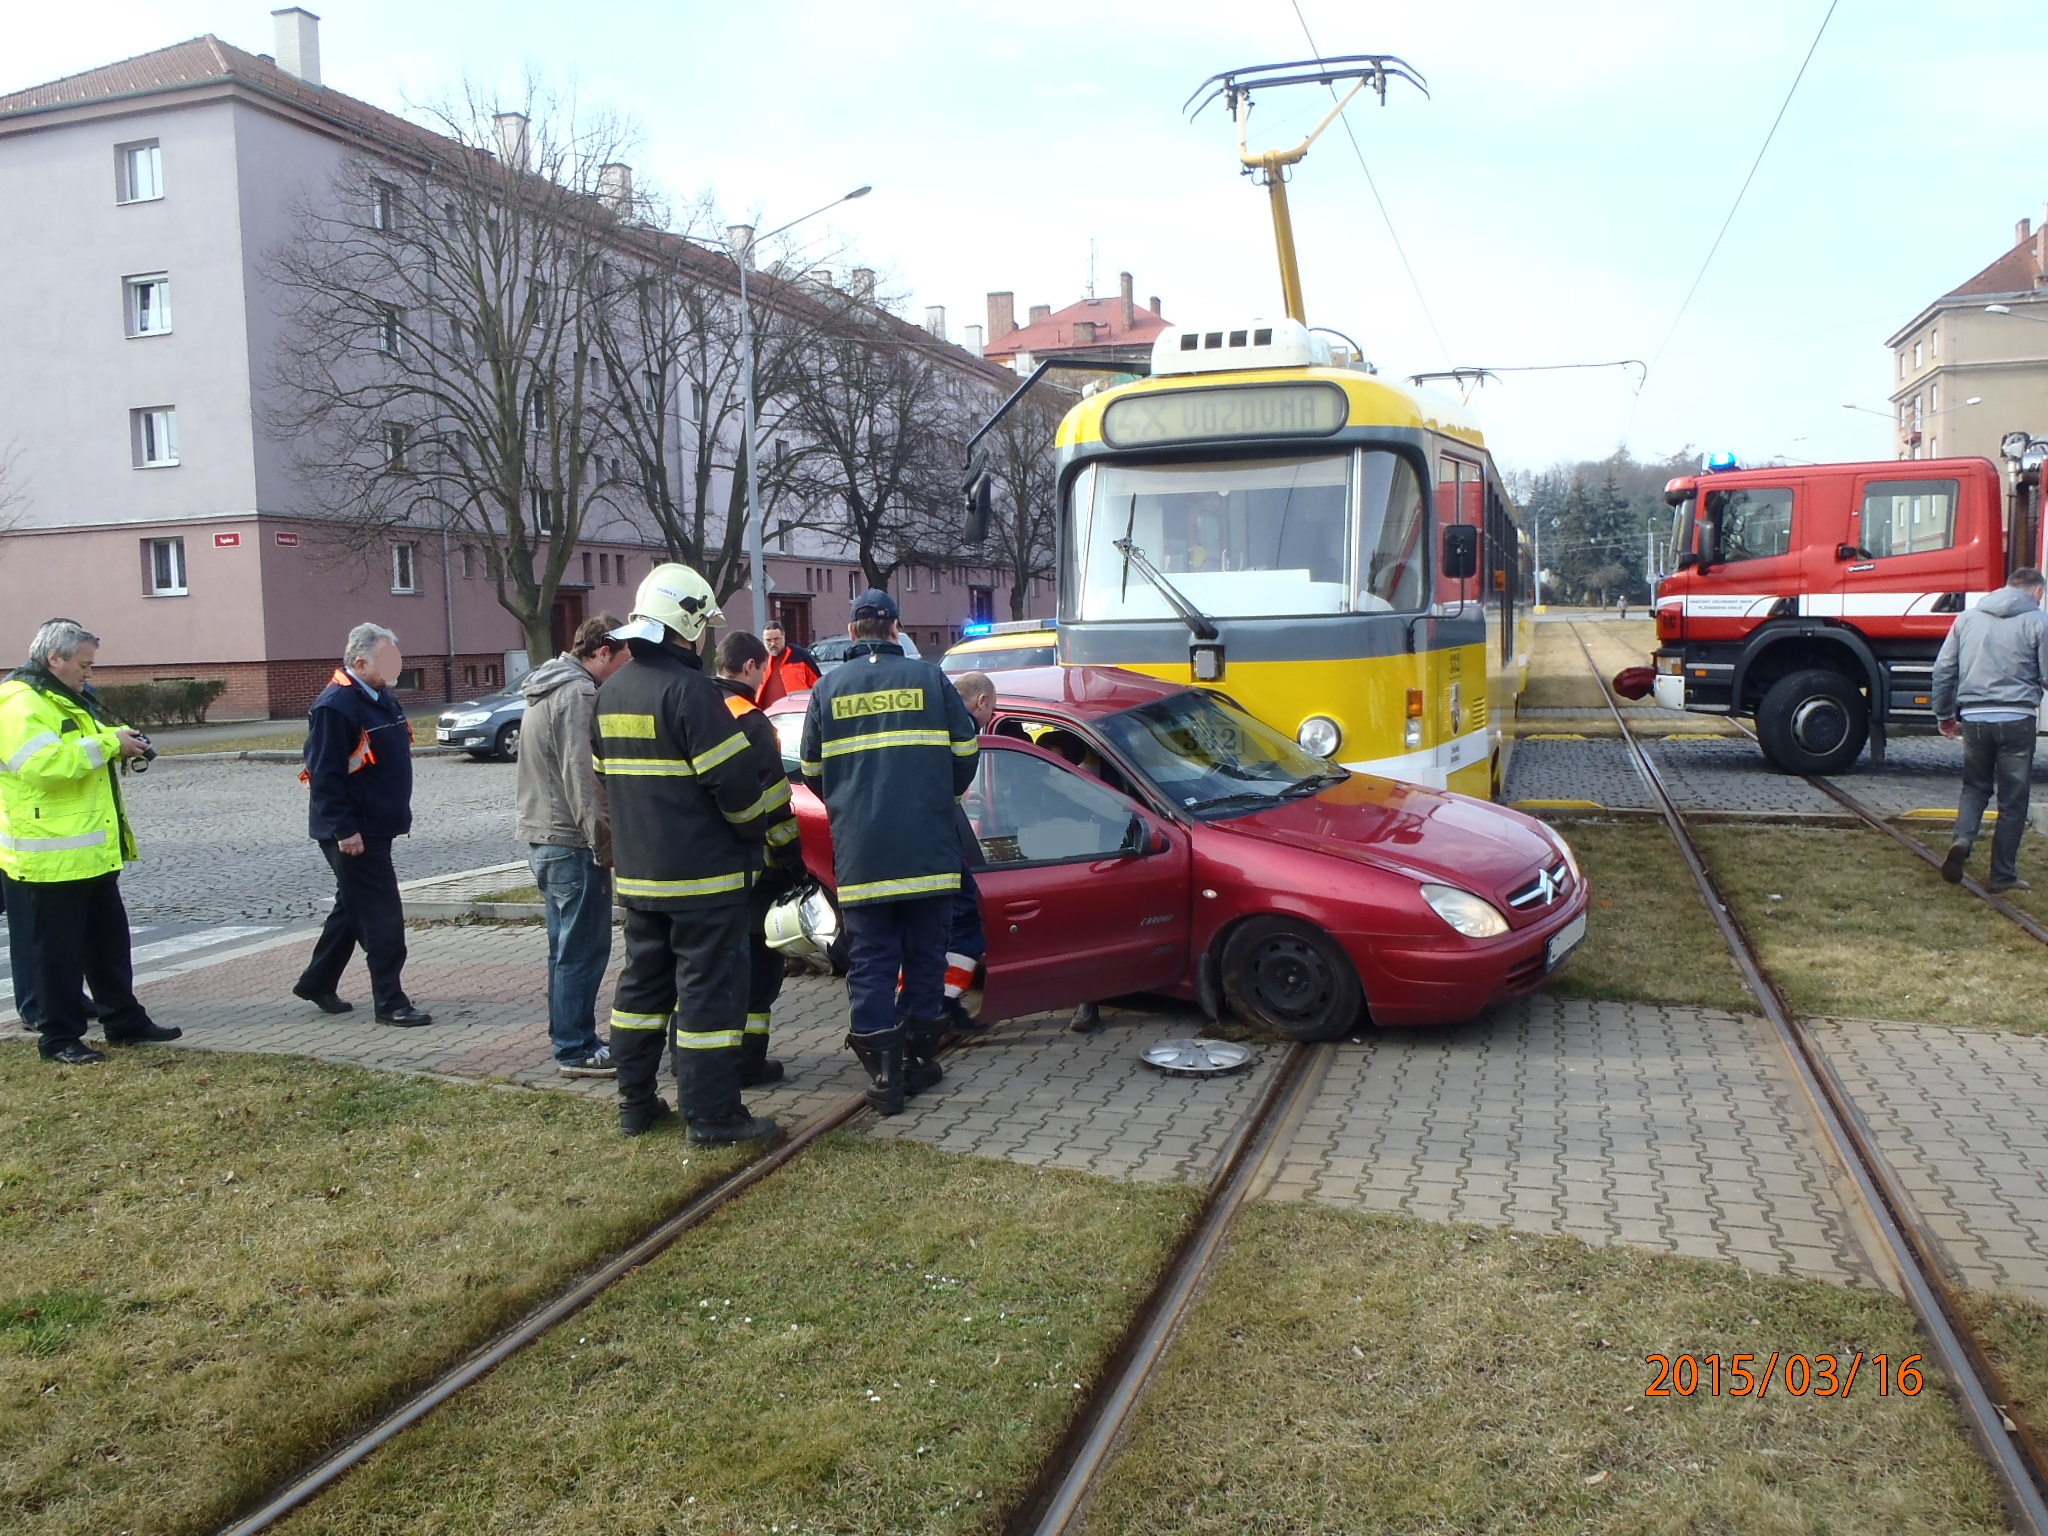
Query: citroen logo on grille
{"points": [[1548, 885]]}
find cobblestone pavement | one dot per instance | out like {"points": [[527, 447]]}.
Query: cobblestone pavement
{"points": [[227, 841], [1596, 770], [1962, 1116], [1667, 1128]]}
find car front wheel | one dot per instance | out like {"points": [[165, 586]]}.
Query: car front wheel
{"points": [[508, 742], [1291, 978], [1813, 722]]}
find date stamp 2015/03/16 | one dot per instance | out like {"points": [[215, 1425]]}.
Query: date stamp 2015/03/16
{"points": [[1798, 1375]]}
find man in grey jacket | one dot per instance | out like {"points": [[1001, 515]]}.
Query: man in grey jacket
{"points": [[1988, 682], [561, 815]]}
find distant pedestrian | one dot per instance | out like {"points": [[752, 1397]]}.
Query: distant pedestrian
{"points": [[689, 823], [791, 668], [1988, 682], [561, 817], [359, 770], [64, 838], [891, 748], [742, 664], [1621, 605]]}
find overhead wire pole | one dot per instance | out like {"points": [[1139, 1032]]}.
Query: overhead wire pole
{"points": [[1700, 277]]}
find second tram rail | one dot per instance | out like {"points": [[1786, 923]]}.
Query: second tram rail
{"points": [[2007, 1442]]}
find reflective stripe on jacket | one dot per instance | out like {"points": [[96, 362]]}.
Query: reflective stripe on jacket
{"points": [[61, 816], [779, 831], [688, 812], [891, 748]]}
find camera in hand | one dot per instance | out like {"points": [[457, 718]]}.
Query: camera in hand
{"points": [[141, 764]]}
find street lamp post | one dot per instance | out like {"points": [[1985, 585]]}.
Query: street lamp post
{"points": [[744, 255]]}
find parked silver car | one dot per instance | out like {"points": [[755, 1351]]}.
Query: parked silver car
{"points": [[486, 727]]}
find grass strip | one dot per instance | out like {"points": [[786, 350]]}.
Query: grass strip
{"points": [[1855, 926], [211, 1266], [527, 894], [1647, 936], [2033, 860], [1351, 1373], [882, 1338]]}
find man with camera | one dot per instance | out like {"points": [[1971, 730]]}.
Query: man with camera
{"points": [[64, 837]]}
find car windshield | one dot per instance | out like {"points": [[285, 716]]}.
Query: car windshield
{"points": [[789, 735], [1211, 758]]}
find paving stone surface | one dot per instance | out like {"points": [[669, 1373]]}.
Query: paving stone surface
{"points": [[1667, 1128], [227, 841], [1597, 769], [1962, 1117]]}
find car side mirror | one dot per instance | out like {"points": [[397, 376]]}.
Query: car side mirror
{"points": [[1461, 552], [1848, 552]]}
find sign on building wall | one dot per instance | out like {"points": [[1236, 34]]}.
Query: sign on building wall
{"points": [[227, 541], [287, 540]]}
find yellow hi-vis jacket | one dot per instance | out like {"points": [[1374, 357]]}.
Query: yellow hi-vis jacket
{"points": [[60, 808]]}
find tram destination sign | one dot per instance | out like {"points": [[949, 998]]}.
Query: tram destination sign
{"points": [[1240, 411]]}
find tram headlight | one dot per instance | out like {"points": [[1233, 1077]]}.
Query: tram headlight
{"points": [[1471, 916], [1319, 734]]}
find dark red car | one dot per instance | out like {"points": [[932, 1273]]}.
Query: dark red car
{"points": [[1145, 837]]}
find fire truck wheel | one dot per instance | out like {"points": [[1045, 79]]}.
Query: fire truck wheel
{"points": [[1292, 979], [1813, 722]]}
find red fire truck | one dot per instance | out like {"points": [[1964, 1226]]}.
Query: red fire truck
{"points": [[1813, 598]]}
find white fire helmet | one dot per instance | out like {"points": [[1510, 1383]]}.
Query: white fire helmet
{"points": [[671, 597], [803, 923]]}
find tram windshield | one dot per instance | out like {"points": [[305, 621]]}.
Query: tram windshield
{"points": [[1251, 538]]}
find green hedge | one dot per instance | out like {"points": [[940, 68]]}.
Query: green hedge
{"points": [[183, 702]]}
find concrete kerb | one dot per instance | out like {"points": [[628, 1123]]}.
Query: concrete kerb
{"points": [[276, 755]]}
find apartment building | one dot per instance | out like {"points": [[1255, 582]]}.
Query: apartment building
{"points": [[1973, 365], [156, 505]]}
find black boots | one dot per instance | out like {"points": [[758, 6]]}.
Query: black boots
{"points": [[757, 1067], [921, 1069], [709, 1088], [639, 1119], [881, 1055]]}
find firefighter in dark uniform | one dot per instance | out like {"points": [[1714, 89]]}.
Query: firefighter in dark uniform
{"points": [[690, 819], [742, 664], [891, 748]]}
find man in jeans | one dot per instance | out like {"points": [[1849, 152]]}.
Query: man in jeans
{"points": [[561, 814], [1988, 681]]}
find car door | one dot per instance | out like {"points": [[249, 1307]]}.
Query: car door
{"points": [[1906, 556], [1084, 896], [1754, 535]]}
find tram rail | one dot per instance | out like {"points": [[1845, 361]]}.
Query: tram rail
{"points": [[2015, 1455], [1068, 1478]]}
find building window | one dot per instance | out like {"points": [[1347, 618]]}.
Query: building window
{"points": [[149, 305], [468, 563], [388, 329], [652, 381], [469, 677], [828, 579], [543, 509], [139, 171], [395, 435], [537, 411], [491, 676], [402, 568], [411, 680], [166, 559], [981, 605], [587, 564], [153, 436], [1934, 342], [1916, 354], [383, 206]]}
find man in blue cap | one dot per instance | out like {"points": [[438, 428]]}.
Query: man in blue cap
{"points": [[890, 748]]}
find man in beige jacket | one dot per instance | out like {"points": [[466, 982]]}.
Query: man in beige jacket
{"points": [[561, 816]]}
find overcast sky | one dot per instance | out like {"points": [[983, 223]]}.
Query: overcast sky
{"points": [[1556, 192]]}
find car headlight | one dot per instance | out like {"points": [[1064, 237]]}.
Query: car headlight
{"points": [[463, 722], [1319, 734], [1571, 860], [1471, 916]]}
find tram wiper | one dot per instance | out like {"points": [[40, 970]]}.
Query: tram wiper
{"points": [[1196, 620]]}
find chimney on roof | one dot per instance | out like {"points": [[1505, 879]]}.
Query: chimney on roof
{"points": [[1040, 312], [973, 342], [509, 130], [298, 43], [1084, 333], [1155, 303], [1002, 315], [935, 320], [2022, 232], [739, 239], [861, 284], [1130, 304], [615, 187], [819, 277]]}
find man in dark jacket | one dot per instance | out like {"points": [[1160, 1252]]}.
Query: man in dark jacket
{"points": [[1988, 681], [689, 822], [359, 771], [891, 748], [742, 663], [560, 816]]}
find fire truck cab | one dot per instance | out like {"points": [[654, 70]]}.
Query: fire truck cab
{"points": [[1814, 598]]}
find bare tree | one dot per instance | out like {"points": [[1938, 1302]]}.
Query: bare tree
{"points": [[883, 431], [14, 497], [671, 338], [1023, 535], [438, 366]]}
